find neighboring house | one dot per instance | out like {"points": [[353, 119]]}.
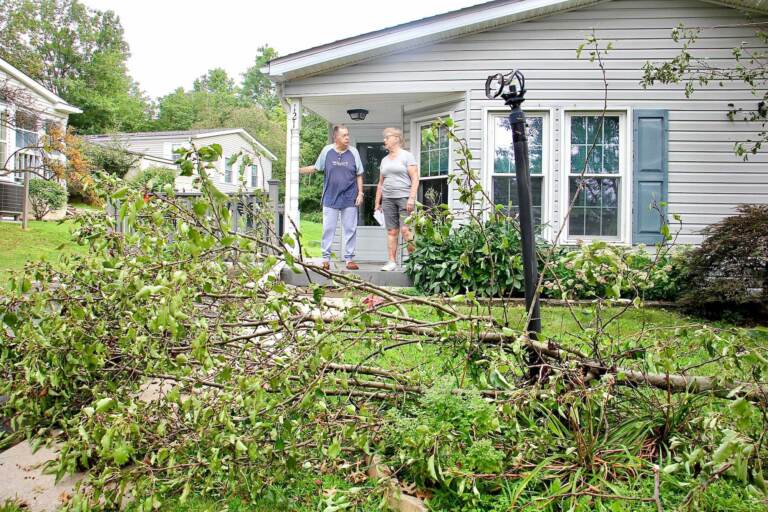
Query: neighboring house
{"points": [[27, 110], [658, 145], [161, 145]]}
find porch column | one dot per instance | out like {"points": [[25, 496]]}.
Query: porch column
{"points": [[292, 154]]}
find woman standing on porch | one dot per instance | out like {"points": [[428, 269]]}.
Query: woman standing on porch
{"points": [[396, 193]]}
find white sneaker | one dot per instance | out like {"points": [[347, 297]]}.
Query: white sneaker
{"points": [[389, 267]]}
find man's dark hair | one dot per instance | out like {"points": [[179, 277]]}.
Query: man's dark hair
{"points": [[337, 128]]}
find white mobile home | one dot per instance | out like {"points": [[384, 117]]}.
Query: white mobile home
{"points": [[657, 146], [27, 110], [161, 145]]}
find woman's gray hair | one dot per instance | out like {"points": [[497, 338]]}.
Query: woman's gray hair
{"points": [[395, 132]]}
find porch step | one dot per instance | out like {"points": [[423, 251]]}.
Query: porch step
{"points": [[369, 272]]}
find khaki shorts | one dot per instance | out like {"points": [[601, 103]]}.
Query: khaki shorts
{"points": [[394, 211]]}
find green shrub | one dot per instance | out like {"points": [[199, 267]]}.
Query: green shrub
{"points": [[599, 269], [154, 179], [449, 261], [312, 216], [310, 195], [445, 437], [112, 158], [487, 260], [46, 196], [728, 273]]}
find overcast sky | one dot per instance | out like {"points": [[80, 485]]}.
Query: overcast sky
{"points": [[175, 41]]}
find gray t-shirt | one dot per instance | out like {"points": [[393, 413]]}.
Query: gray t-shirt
{"points": [[397, 182]]}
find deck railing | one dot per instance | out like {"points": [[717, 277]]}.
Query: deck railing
{"points": [[242, 207]]}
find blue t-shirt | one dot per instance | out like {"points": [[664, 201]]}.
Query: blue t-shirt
{"points": [[341, 171]]}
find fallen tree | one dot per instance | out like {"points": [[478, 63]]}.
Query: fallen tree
{"points": [[267, 380]]}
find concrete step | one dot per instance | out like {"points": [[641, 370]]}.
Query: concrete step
{"points": [[369, 271]]}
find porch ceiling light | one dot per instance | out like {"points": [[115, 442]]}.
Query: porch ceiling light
{"points": [[357, 114]]}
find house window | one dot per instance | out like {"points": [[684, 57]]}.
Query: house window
{"points": [[434, 164], [25, 124], [503, 180], [174, 148], [227, 171], [52, 126], [254, 175], [596, 163]]}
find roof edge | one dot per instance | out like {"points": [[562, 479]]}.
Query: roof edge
{"points": [[442, 26], [447, 25], [190, 134], [55, 100], [243, 132]]}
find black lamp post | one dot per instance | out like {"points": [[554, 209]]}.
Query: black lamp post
{"points": [[514, 81]]}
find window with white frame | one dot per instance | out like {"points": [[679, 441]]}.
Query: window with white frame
{"points": [[503, 179], [25, 124], [595, 169], [227, 170], [434, 160], [254, 175], [174, 148], [27, 158]]}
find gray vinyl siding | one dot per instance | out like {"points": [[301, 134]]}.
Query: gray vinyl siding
{"points": [[706, 180]]}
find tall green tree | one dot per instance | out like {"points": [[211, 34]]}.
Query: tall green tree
{"points": [[80, 54], [209, 104], [257, 87], [216, 101]]}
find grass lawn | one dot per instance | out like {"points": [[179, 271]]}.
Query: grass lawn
{"points": [[40, 241], [641, 326], [305, 491], [312, 232], [84, 206]]}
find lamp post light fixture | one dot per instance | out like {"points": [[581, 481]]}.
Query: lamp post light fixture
{"points": [[357, 114], [514, 81]]}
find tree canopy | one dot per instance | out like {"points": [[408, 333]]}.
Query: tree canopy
{"points": [[80, 54]]}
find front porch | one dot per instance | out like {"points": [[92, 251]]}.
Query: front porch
{"points": [[406, 111]]}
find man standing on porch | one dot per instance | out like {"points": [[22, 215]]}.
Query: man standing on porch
{"points": [[342, 193]]}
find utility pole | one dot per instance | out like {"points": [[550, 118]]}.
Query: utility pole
{"points": [[25, 203]]}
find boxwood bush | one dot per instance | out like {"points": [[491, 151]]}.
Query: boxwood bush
{"points": [[154, 179]]}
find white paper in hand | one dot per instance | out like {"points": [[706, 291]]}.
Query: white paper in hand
{"points": [[379, 216]]}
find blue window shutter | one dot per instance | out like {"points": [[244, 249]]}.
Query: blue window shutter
{"points": [[651, 170]]}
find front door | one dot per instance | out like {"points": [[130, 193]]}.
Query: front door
{"points": [[371, 238]]}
